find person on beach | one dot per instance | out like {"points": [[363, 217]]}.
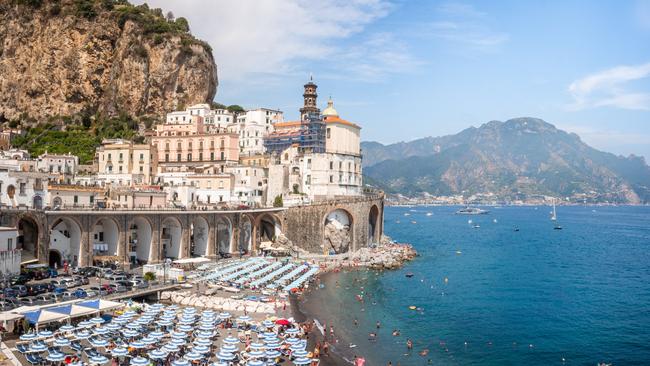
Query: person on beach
{"points": [[326, 348]]}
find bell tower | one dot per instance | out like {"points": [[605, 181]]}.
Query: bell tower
{"points": [[310, 96]]}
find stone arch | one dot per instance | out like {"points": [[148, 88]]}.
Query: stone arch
{"points": [[65, 237], [28, 235], [224, 235], [199, 229], [245, 234], [54, 259], [267, 227], [338, 231], [374, 229], [140, 237], [105, 237], [171, 236]]}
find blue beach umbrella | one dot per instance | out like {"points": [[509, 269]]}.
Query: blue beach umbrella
{"points": [[100, 330], [201, 349], [85, 324], [268, 324], [178, 341], [302, 361], [272, 353], [224, 315], [226, 356], [171, 348], [231, 340], [203, 342], [130, 333], [292, 340], [148, 340], [156, 334], [177, 334], [84, 334], [119, 352], [97, 320], [165, 323], [297, 347], [185, 328], [99, 342], [28, 336], [256, 354], [193, 356], [55, 357], [137, 345], [181, 362], [229, 348], [244, 319], [257, 345], [133, 326], [271, 341], [255, 363], [38, 347], [219, 364], [206, 327], [61, 342], [269, 335], [113, 327], [66, 328], [292, 331], [139, 361], [45, 334], [98, 360], [157, 354], [172, 307], [300, 353]]}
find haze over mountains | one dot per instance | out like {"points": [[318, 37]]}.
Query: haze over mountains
{"points": [[515, 159]]}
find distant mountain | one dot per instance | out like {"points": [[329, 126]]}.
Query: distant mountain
{"points": [[516, 158]]}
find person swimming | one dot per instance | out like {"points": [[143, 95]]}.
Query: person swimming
{"points": [[409, 344], [395, 332]]}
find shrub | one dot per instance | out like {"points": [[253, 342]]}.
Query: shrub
{"points": [[149, 276], [277, 202]]}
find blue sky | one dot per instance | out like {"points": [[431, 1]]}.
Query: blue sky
{"points": [[409, 69]]}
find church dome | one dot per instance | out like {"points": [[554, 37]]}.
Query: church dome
{"points": [[330, 111]]}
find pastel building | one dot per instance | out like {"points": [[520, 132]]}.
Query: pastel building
{"points": [[122, 162]]}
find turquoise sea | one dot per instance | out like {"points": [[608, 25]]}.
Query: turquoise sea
{"points": [[536, 296]]}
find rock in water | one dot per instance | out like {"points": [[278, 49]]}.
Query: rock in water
{"points": [[66, 57]]}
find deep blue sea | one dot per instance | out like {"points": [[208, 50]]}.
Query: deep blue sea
{"points": [[536, 296]]}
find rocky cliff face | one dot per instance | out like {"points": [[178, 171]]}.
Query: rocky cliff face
{"points": [[57, 59]]}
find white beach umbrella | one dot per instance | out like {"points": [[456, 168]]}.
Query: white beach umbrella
{"points": [[99, 342], [66, 328], [229, 348], [38, 347], [28, 336], [181, 362], [130, 333], [157, 354], [272, 353], [185, 328], [201, 349], [231, 340], [139, 361], [97, 320], [302, 361], [256, 354], [119, 352], [224, 315], [55, 357], [300, 353], [98, 360], [244, 319], [148, 340], [113, 326], [193, 356], [156, 334], [100, 330], [226, 356], [45, 334], [203, 342], [137, 345], [86, 324], [82, 334], [61, 342], [257, 345], [292, 340], [171, 348]]}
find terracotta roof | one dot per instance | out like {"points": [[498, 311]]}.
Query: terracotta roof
{"points": [[288, 124], [336, 119]]}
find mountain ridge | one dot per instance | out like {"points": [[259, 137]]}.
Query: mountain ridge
{"points": [[519, 157]]}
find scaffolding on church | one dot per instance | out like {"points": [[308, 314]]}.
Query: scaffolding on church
{"points": [[308, 136]]}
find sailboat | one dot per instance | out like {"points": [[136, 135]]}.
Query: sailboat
{"points": [[554, 218]]}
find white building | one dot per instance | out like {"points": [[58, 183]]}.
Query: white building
{"points": [[250, 184], [262, 116], [23, 189], [66, 164], [212, 118], [10, 257], [251, 137]]}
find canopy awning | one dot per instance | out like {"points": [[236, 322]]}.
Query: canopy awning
{"points": [[73, 310], [101, 305], [192, 260], [43, 316]]}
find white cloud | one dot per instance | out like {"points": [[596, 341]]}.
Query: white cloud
{"points": [[609, 88], [464, 25], [266, 40]]}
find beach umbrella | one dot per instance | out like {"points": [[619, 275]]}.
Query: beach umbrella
{"points": [[85, 324], [143, 321], [229, 348], [148, 340], [139, 361], [66, 328], [193, 356], [297, 347], [189, 310], [156, 306], [205, 334], [292, 340], [61, 342], [244, 319], [186, 321], [98, 360], [55, 357], [45, 334], [226, 356], [201, 349], [256, 354], [219, 364], [156, 334], [168, 317], [137, 345], [268, 324], [119, 352], [82, 334], [300, 353], [171, 348], [98, 320], [270, 341], [157, 354], [292, 331], [269, 335], [120, 321], [282, 322], [255, 363], [224, 315], [28, 336], [203, 342], [78, 363], [258, 345], [133, 326], [129, 314], [207, 312], [181, 362], [177, 334], [302, 361], [99, 342], [100, 330], [172, 307], [130, 333], [185, 328], [38, 347], [271, 353], [178, 341], [113, 326], [231, 340], [165, 323], [206, 327]]}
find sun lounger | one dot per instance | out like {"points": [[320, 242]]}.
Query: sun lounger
{"points": [[22, 348]]}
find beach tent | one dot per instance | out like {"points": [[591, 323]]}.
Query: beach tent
{"points": [[101, 305], [43, 316], [191, 260], [72, 310]]}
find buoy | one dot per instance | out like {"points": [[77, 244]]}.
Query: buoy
{"points": [[412, 307], [446, 279]]}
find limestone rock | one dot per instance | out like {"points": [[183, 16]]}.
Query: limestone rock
{"points": [[54, 61]]}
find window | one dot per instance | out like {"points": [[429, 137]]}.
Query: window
{"points": [[141, 169], [110, 168], [340, 165], [178, 147], [189, 157], [166, 158], [212, 144], [221, 143], [10, 243], [331, 179], [223, 156], [331, 165], [109, 156], [141, 156], [212, 156], [22, 188], [120, 169], [308, 179], [76, 199], [120, 156], [200, 156], [329, 133], [167, 146], [178, 157], [92, 199]]}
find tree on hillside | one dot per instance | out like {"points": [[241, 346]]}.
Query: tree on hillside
{"points": [[235, 108]]}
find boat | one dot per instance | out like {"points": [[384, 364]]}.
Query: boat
{"points": [[471, 211], [516, 228], [557, 227], [409, 275], [553, 213], [429, 214], [476, 226]]}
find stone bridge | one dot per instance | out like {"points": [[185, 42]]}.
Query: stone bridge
{"points": [[149, 236]]}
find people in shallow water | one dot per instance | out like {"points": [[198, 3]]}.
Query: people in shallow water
{"points": [[395, 332], [409, 344], [378, 324], [372, 336]]}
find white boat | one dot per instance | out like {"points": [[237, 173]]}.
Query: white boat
{"points": [[553, 213], [429, 214]]}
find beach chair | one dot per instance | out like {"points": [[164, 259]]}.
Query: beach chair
{"points": [[76, 346], [32, 359], [22, 348]]}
